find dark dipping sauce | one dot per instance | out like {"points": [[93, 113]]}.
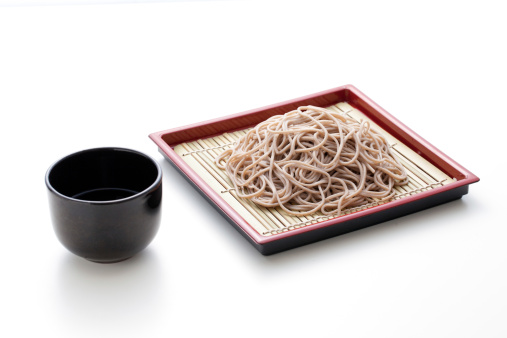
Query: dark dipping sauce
{"points": [[104, 194]]}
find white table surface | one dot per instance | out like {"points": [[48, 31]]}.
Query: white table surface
{"points": [[82, 76]]}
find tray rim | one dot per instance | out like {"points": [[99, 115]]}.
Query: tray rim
{"points": [[356, 98]]}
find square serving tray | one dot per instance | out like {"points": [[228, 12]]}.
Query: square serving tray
{"points": [[434, 177]]}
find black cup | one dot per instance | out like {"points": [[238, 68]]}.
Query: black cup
{"points": [[105, 203]]}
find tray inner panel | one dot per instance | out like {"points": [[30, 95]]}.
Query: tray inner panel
{"points": [[200, 156]]}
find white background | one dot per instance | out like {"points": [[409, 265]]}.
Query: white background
{"points": [[82, 76]]}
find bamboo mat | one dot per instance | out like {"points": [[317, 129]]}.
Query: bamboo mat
{"points": [[200, 155]]}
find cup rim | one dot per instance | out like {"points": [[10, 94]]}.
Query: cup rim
{"points": [[121, 149]]}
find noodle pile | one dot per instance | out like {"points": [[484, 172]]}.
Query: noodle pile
{"points": [[312, 159]]}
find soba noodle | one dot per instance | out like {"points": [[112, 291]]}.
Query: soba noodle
{"points": [[312, 159]]}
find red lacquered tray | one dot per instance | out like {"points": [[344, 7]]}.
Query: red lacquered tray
{"points": [[279, 238]]}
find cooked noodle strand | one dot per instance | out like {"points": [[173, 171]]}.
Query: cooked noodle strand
{"points": [[312, 160]]}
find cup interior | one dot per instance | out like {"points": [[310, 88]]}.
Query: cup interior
{"points": [[103, 174]]}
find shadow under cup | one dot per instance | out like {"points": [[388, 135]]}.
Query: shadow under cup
{"points": [[105, 203]]}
